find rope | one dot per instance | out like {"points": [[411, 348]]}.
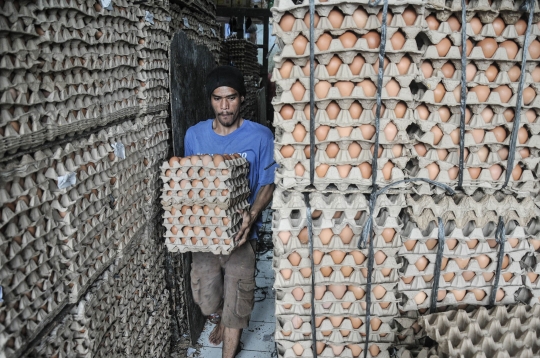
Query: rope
{"points": [[463, 106], [310, 236], [500, 237], [437, 273]]}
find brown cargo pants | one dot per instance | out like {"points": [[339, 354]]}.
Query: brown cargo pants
{"points": [[227, 282]]}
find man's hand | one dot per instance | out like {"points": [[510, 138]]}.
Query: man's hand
{"points": [[248, 219]]}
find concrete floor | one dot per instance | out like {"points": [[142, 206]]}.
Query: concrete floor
{"points": [[258, 338]]}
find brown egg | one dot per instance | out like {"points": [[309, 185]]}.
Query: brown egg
{"points": [[354, 150], [470, 72], [433, 170], [380, 257], [476, 25], [403, 65], [379, 292], [286, 112], [333, 66], [400, 110], [432, 22], [499, 133], [409, 244], [478, 294], [321, 89], [536, 74], [482, 92], [397, 40], [498, 26], [523, 135], [348, 39], [427, 69], [355, 110], [287, 151], [365, 170], [423, 112], [346, 234], [437, 134], [299, 132], [534, 49], [407, 280], [511, 48], [298, 90], [439, 92], [356, 65], [392, 88], [449, 276], [286, 68], [448, 70], [358, 256], [326, 236], [488, 46], [516, 172], [444, 113], [496, 171], [524, 153], [459, 294], [528, 95], [487, 114], [321, 170], [307, 18], [373, 39], [409, 16], [483, 153], [322, 132], [530, 115], [532, 276], [336, 18], [514, 73], [332, 150], [332, 110], [360, 18], [299, 170], [420, 298], [421, 263], [443, 47], [457, 93], [420, 149], [345, 88], [326, 271], [474, 172], [387, 170], [500, 295], [521, 27], [294, 258], [300, 45], [368, 87], [454, 23], [337, 290], [376, 64], [287, 21], [491, 73], [337, 256]]}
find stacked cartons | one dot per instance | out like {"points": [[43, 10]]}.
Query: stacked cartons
{"points": [[202, 197], [485, 250]]}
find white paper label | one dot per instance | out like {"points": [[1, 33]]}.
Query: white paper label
{"points": [[107, 4], [186, 22], [119, 150], [148, 16], [65, 181]]}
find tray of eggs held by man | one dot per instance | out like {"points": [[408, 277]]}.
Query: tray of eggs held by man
{"points": [[201, 197]]}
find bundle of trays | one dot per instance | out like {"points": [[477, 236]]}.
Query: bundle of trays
{"points": [[202, 196]]}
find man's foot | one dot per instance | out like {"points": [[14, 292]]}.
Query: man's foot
{"points": [[216, 336]]}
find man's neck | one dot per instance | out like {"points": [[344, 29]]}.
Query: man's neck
{"points": [[222, 130]]}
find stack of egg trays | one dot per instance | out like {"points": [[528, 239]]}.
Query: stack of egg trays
{"points": [[437, 157], [201, 27], [201, 200], [89, 66], [340, 305], [502, 331], [470, 248], [20, 125], [355, 120], [152, 51], [109, 301]]}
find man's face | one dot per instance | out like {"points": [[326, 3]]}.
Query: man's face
{"points": [[226, 104]]}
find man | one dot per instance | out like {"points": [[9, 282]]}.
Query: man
{"points": [[223, 285]]}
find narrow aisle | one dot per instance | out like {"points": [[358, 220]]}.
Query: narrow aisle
{"points": [[258, 338]]}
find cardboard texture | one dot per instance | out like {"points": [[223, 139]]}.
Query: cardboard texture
{"points": [[201, 196]]}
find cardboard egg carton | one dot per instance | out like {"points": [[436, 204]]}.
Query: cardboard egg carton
{"points": [[498, 331], [290, 349]]}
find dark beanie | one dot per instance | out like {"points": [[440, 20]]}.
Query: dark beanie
{"points": [[227, 76]]}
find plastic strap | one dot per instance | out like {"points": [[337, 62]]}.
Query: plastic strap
{"points": [[311, 91], [373, 200], [500, 237], [463, 106], [527, 6], [310, 238], [371, 260], [382, 51], [437, 272]]}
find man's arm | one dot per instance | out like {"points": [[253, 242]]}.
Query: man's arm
{"points": [[264, 196]]}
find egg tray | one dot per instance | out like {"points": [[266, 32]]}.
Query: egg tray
{"points": [[343, 73], [221, 213], [289, 349], [216, 249], [224, 164], [463, 208], [231, 199], [232, 219], [174, 183], [506, 330]]}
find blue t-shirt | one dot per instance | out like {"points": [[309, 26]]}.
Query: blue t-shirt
{"points": [[253, 141]]}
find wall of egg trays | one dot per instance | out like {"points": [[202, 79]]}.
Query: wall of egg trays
{"points": [[93, 83], [419, 137]]}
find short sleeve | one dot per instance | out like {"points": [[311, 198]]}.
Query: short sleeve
{"points": [[266, 159], [188, 143]]}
